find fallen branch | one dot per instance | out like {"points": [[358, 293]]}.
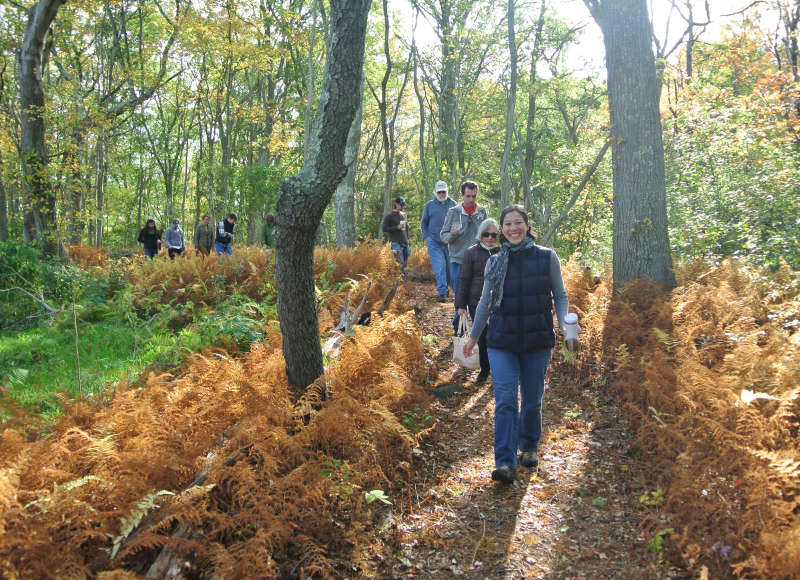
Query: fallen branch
{"points": [[40, 299]]}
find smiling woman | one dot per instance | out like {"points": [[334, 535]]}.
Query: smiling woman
{"points": [[521, 284]]}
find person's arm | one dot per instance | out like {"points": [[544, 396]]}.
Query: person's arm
{"points": [[445, 234], [481, 314], [423, 222], [387, 225], [557, 284], [196, 237], [141, 236]]}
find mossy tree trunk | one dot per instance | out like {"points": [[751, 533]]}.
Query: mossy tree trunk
{"points": [[304, 197], [41, 200]]}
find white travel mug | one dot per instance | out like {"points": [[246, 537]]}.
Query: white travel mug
{"points": [[571, 330]]}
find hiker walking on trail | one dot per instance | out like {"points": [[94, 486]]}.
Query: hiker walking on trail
{"points": [[431, 225], [203, 237], [522, 282], [470, 285], [458, 232], [173, 238], [395, 225], [268, 232], [150, 238], [223, 244]]}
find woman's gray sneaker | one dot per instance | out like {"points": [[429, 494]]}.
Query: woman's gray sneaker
{"points": [[529, 459], [503, 474]]}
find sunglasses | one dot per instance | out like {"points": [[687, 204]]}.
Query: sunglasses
{"points": [[488, 235]]}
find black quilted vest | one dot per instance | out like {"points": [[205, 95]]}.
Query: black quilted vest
{"points": [[524, 320]]}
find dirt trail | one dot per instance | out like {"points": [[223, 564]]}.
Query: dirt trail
{"points": [[575, 517]]}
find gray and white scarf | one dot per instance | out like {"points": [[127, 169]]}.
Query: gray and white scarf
{"points": [[498, 264]]}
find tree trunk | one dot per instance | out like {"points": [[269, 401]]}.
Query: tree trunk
{"points": [[344, 200], [40, 197], [511, 101], [3, 207], [640, 238], [303, 198], [100, 189]]}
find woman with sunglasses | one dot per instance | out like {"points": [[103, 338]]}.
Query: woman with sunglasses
{"points": [[522, 282], [470, 283]]}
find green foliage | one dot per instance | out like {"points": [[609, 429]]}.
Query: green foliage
{"points": [[236, 321], [377, 494], [731, 157], [656, 543], [415, 419]]}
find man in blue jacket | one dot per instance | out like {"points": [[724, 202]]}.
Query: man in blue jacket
{"points": [[431, 225]]}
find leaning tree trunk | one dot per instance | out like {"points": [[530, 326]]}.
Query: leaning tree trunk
{"points": [[41, 200], [303, 198], [640, 238]]}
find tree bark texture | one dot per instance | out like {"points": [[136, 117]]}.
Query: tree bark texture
{"points": [[344, 202], [640, 237], [41, 200], [303, 198], [511, 100]]}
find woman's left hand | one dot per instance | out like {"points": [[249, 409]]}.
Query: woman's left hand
{"points": [[469, 346]]}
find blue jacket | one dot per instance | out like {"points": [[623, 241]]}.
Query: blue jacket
{"points": [[433, 217], [524, 320]]}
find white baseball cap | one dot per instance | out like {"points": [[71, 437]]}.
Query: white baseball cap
{"points": [[440, 186]]}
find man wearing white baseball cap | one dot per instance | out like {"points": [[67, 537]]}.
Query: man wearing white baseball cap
{"points": [[431, 224]]}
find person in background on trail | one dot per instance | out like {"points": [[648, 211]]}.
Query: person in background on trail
{"points": [[150, 238], [173, 239], [223, 244], [458, 232], [203, 237], [431, 225], [470, 285], [395, 226], [521, 284], [267, 234]]}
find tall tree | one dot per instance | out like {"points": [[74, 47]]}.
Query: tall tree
{"points": [[344, 202], [640, 243], [303, 198], [41, 199], [511, 101]]}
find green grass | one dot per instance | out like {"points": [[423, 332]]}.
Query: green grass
{"points": [[37, 363]]}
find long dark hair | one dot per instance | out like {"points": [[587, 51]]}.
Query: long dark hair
{"points": [[521, 211]]}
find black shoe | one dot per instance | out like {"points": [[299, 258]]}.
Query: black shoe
{"points": [[442, 298], [482, 376], [503, 474], [529, 459]]}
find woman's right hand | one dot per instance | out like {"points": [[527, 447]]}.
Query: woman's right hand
{"points": [[462, 311], [469, 346]]}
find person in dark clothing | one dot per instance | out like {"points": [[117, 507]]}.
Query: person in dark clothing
{"points": [[223, 244], [522, 282], [204, 237], [268, 233], [395, 226], [150, 238], [470, 285]]}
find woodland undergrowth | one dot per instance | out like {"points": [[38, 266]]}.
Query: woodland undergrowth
{"points": [[219, 469]]}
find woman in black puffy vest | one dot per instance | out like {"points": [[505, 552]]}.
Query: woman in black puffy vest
{"points": [[522, 282]]}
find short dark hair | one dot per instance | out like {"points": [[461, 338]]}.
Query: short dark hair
{"points": [[205, 216], [232, 216], [270, 217], [468, 185]]}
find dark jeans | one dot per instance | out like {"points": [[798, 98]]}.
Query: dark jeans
{"points": [[483, 353], [173, 251], [151, 252]]}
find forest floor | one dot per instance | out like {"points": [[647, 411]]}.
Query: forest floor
{"points": [[574, 517]]}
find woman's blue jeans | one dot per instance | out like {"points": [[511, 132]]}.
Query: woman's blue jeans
{"points": [[517, 420]]}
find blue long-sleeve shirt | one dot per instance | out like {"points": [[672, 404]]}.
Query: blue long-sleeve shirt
{"points": [[433, 217], [560, 298]]}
